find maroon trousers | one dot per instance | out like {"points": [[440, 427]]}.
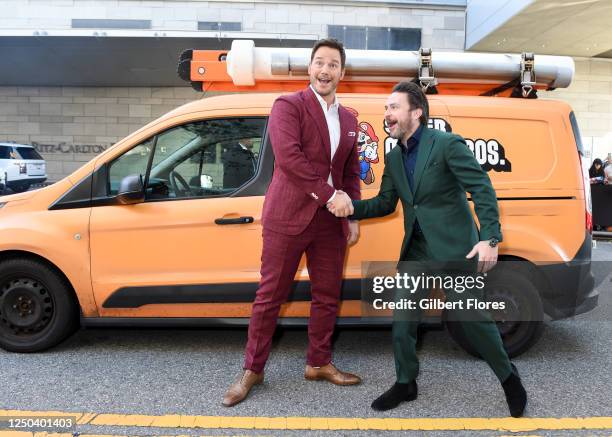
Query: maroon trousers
{"points": [[325, 246]]}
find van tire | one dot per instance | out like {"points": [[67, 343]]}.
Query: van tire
{"points": [[38, 309], [521, 294], [20, 188]]}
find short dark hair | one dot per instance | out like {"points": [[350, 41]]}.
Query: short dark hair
{"points": [[331, 43], [416, 98]]}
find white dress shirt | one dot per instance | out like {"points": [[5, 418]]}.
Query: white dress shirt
{"points": [[333, 126]]}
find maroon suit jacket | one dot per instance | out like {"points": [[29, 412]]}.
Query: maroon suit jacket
{"points": [[300, 140]]}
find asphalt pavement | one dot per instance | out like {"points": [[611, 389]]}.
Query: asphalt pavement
{"points": [[186, 371]]}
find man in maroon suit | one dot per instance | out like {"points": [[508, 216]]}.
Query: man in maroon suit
{"points": [[316, 163]]}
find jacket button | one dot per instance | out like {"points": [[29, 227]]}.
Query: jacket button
{"points": [[416, 206]]}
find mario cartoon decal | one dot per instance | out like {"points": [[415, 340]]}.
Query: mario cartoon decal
{"points": [[367, 148], [368, 151]]}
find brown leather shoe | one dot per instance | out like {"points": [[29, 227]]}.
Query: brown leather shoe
{"points": [[331, 374], [239, 390]]}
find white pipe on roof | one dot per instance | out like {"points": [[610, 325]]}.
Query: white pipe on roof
{"points": [[247, 64]]}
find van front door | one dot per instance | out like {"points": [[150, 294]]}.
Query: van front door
{"points": [[193, 247]]}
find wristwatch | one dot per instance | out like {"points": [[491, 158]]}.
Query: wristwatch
{"points": [[493, 242]]}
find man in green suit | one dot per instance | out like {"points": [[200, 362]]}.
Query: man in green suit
{"points": [[430, 171]]}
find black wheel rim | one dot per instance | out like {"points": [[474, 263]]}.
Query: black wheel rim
{"points": [[26, 306], [509, 320]]}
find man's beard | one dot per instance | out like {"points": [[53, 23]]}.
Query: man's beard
{"points": [[401, 131], [397, 136]]}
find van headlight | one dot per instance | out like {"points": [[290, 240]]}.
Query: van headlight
{"points": [[2, 204]]}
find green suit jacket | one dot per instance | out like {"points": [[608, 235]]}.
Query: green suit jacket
{"points": [[445, 169]]}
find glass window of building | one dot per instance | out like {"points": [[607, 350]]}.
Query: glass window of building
{"points": [[220, 26], [376, 38]]}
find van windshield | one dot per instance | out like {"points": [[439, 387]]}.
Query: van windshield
{"points": [[29, 153]]}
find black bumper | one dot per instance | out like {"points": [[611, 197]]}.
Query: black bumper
{"points": [[29, 181], [570, 286]]}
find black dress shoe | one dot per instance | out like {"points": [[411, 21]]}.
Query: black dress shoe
{"points": [[396, 395], [516, 396]]}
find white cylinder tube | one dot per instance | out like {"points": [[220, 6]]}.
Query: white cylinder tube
{"points": [[247, 64]]}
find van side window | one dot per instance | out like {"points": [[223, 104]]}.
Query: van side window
{"points": [[206, 158], [132, 162]]}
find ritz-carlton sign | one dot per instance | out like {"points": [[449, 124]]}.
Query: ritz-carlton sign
{"points": [[69, 148]]}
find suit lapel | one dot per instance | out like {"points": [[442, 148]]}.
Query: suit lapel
{"points": [[397, 163], [313, 107], [345, 127], [425, 147]]}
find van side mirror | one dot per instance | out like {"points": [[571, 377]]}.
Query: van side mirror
{"points": [[131, 190]]}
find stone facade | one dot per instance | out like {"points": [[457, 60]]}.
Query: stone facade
{"points": [[590, 95], [70, 126], [442, 28]]}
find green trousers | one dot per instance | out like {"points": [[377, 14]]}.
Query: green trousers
{"points": [[478, 326]]}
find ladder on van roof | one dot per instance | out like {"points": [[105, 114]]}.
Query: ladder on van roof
{"points": [[259, 69]]}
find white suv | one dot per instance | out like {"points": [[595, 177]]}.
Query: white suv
{"points": [[21, 166]]}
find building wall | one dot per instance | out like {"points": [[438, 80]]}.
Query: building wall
{"points": [[70, 126], [590, 95], [442, 27]]}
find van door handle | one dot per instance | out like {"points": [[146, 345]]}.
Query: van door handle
{"points": [[234, 221]]}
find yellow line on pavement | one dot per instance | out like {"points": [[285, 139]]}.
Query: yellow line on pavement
{"points": [[47, 434], [326, 423]]}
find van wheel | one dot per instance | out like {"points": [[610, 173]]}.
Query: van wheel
{"points": [[520, 324], [37, 308]]}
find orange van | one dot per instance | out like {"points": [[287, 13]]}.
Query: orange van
{"points": [[154, 231]]}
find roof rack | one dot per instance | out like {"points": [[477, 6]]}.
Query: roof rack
{"points": [[249, 68]]}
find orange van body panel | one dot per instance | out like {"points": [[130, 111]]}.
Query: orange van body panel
{"points": [[474, 89], [177, 242], [28, 226]]}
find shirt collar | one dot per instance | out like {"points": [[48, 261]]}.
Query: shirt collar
{"points": [[323, 102], [414, 139]]}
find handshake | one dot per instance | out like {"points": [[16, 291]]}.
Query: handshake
{"points": [[341, 205]]}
